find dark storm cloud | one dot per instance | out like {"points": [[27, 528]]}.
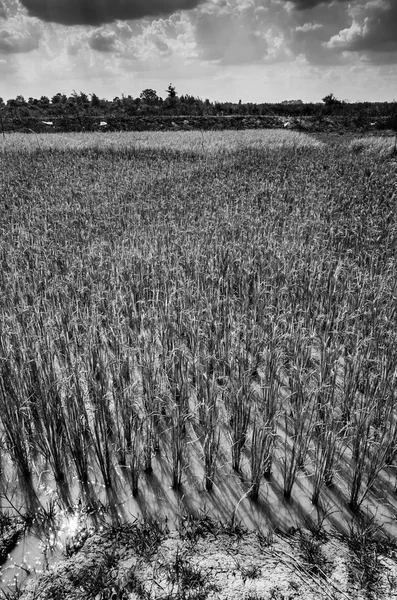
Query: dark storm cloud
{"points": [[98, 12], [3, 12], [306, 4]]}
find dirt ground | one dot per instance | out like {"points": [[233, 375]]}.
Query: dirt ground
{"points": [[203, 560]]}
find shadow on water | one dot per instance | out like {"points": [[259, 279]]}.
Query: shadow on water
{"points": [[29, 494], [59, 512], [64, 492], [115, 507]]}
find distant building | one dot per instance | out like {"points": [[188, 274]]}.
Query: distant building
{"points": [[292, 102]]}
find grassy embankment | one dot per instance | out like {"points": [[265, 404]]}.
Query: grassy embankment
{"points": [[196, 301]]}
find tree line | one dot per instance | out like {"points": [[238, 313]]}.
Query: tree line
{"points": [[82, 110]]}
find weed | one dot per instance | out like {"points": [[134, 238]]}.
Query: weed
{"points": [[276, 594], [187, 581], [265, 540], [193, 527], [366, 544], [312, 554], [251, 571]]}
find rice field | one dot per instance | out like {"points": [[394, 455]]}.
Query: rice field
{"points": [[189, 141], [214, 310], [384, 146]]}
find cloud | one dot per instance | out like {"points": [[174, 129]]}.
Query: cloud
{"points": [[73, 48], [340, 32], [308, 4], [160, 40], [304, 32], [19, 36], [232, 35], [311, 43], [7, 67], [275, 49], [123, 31], [99, 12], [9, 8], [102, 41], [372, 30], [309, 27], [115, 37]]}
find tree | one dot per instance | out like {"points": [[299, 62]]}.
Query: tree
{"points": [[80, 99], [83, 99], [95, 101], [21, 101], [149, 96], [171, 91], [331, 100], [188, 99], [171, 100], [59, 98]]}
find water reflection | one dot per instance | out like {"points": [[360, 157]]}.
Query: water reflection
{"points": [[53, 530]]}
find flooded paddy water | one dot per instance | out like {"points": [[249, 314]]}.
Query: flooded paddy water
{"points": [[54, 530]]}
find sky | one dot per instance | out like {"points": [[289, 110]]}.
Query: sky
{"points": [[224, 50]]}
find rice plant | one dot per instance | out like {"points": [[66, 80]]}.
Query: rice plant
{"points": [[101, 423], [298, 413], [158, 301], [209, 415], [177, 374], [267, 409]]}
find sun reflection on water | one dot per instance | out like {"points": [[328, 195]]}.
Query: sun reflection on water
{"points": [[70, 524]]}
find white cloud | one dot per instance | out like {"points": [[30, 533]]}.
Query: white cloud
{"points": [[309, 27], [20, 35]]}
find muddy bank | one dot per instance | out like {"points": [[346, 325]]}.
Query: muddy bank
{"points": [[202, 559], [11, 530]]}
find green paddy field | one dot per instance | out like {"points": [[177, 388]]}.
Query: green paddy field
{"points": [[199, 323]]}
